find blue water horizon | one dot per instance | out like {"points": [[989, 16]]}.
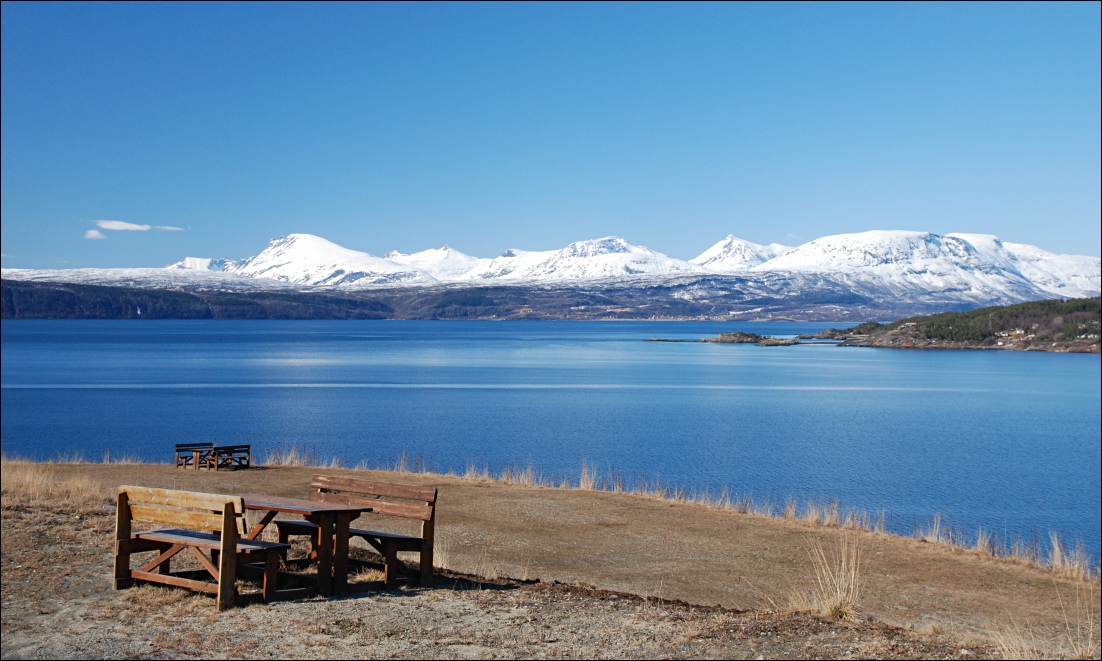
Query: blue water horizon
{"points": [[1006, 441]]}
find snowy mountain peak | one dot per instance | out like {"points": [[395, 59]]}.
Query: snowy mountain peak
{"points": [[734, 254], [842, 252], [311, 260], [444, 263], [607, 246]]}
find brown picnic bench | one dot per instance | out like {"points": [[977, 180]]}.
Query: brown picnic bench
{"points": [[192, 455], [200, 522], [389, 500], [229, 456], [213, 457]]}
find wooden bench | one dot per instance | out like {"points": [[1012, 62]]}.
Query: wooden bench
{"points": [[201, 522], [229, 456], [403, 501], [192, 454]]}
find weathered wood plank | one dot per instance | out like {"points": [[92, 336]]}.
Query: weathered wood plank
{"points": [[382, 541], [387, 489], [205, 540], [201, 586], [163, 556], [296, 527], [122, 578], [176, 517], [203, 561], [403, 510], [227, 560], [184, 499], [262, 524]]}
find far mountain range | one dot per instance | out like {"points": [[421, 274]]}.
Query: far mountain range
{"points": [[866, 275]]}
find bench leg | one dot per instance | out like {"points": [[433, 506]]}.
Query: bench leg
{"points": [[390, 566], [271, 573], [122, 569], [123, 579], [284, 538], [227, 560], [426, 565]]}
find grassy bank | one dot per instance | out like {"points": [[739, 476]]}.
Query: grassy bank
{"points": [[1058, 556], [663, 547]]}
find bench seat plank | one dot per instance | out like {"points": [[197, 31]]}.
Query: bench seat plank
{"points": [[307, 528], [205, 540]]}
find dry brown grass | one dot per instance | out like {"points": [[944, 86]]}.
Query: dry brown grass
{"points": [[1072, 563], [31, 484], [1078, 640], [836, 586], [298, 456]]}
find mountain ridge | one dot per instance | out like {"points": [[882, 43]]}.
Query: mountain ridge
{"points": [[895, 271]]}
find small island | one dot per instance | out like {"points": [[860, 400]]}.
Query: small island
{"points": [[737, 337]]}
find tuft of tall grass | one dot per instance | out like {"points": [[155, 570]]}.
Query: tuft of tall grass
{"points": [[837, 582], [587, 478], [1079, 640]]}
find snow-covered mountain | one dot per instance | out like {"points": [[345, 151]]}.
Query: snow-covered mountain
{"points": [[901, 263], [918, 269], [598, 259], [442, 264], [733, 255], [306, 259], [1067, 276]]}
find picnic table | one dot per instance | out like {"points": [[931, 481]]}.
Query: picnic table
{"points": [[333, 521]]}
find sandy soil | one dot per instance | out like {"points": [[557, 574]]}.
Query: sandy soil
{"points": [[533, 572]]}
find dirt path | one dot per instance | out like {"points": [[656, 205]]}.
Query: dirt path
{"points": [[591, 544]]}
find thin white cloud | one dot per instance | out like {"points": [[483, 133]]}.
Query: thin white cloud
{"points": [[122, 225], [94, 234]]}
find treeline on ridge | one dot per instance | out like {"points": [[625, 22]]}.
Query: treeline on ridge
{"points": [[1052, 319]]}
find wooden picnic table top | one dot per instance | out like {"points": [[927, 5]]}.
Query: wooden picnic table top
{"points": [[259, 501]]}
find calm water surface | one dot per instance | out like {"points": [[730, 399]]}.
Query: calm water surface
{"points": [[1008, 441]]}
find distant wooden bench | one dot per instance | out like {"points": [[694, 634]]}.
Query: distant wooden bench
{"points": [[192, 454], [229, 456], [402, 500], [193, 516]]}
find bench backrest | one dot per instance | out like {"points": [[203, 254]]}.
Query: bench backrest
{"points": [[185, 447], [407, 501], [207, 512], [226, 449]]}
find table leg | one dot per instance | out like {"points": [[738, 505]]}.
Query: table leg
{"points": [[340, 553], [259, 528], [325, 554]]}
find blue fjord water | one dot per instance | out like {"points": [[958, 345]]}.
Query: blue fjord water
{"points": [[1008, 441]]}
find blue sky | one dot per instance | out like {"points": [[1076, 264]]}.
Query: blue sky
{"points": [[487, 127]]}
